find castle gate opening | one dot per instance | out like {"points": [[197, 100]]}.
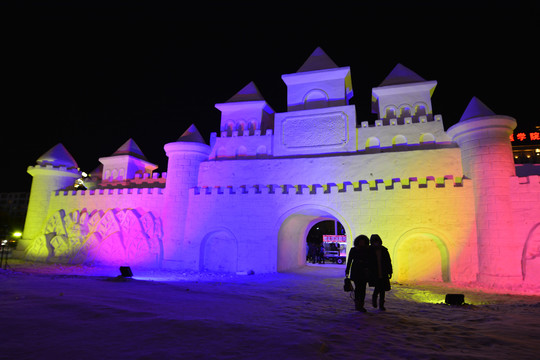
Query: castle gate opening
{"points": [[292, 231]]}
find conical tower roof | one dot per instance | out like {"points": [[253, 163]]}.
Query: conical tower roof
{"points": [[476, 108], [130, 148], [57, 156], [401, 74], [318, 60], [250, 92], [192, 135]]}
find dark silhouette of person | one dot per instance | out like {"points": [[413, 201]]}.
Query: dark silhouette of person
{"points": [[320, 254], [358, 269], [380, 270], [312, 251]]}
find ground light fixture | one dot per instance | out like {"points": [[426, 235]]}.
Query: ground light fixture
{"points": [[126, 272], [454, 299]]}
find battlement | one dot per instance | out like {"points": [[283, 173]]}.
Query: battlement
{"points": [[330, 188], [51, 167], [525, 183], [408, 120], [106, 192], [140, 181], [244, 146], [384, 133], [236, 133]]}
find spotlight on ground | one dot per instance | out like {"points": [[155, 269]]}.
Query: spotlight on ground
{"points": [[126, 271], [454, 299]]}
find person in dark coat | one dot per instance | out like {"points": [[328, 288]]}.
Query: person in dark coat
{"points": [[380, 270], [357, 269]]}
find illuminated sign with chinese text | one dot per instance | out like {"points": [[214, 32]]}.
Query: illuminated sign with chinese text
{"points": [[335, 238], [534, 136]]}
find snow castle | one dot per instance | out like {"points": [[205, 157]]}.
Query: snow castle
{"points": [[447, 204]]}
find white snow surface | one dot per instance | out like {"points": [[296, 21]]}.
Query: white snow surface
{"points": [[78, 312]]}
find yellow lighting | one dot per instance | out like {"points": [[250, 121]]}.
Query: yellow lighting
{"points": [[17, 234]]}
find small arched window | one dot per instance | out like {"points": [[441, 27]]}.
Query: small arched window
{"points": [[419, 110], [252, 126], [241, 127], [241, 152], [373, 142], [229, 128], [404, 111], [427, 138], [221, 152], [261, 152], [390, 112], [315, 99], [399, 140]]}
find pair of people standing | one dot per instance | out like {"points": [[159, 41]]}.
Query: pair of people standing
{"points": [[369, 264]]}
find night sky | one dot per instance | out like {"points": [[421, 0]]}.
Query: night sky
{"points": [[93, 74]]}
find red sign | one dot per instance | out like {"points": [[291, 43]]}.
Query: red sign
{"points": [[335, 238], [535, 136]]}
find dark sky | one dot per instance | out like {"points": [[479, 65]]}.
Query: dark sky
{"points": [[93, 74]]}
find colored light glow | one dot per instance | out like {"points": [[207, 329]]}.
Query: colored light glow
{"points": [[420, 296], [17, 234]]}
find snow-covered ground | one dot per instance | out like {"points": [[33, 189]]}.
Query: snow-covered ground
{"points": [[76, 312]]}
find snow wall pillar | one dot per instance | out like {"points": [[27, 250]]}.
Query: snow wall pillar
{"points": [[487, 159], [46, 179], [182, 174]]}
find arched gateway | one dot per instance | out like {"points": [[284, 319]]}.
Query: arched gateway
{"points": [[292, 229]]}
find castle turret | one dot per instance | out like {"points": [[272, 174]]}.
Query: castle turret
{"points": [[403, 94], [319, 83], [486, 154], [125, 162], [185, 155], [246, 113], [56, 169], [319, 119]]}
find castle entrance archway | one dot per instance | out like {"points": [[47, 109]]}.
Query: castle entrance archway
{"points": [[421, 255], [292, 231], [330, 236]]}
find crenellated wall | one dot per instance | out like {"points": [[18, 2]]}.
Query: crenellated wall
{"points": [[399, 132], [237, 147], [145, 180], [380, 134], [409, 161], [435, 213]]}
